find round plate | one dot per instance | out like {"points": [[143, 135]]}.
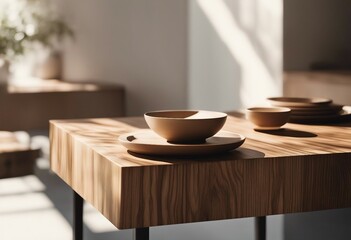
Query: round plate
{"points": [[317, 111], [298, 102], [321, 113], [267, 128], [147, 142], [317, 108], [343, 115]]}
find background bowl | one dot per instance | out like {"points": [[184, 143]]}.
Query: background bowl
{"points": [[185, 126], [268, 118], [298, 102]]}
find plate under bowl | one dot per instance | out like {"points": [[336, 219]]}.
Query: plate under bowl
{"points": [[147, 142], [343, 115]]}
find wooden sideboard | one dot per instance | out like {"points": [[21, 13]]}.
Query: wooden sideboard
{"points": [[30, 105], [330, 84], [16, 158]]}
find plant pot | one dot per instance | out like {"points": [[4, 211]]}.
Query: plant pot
{"points": [[49, 66]]}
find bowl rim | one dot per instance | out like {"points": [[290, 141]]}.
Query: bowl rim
{"points": [[267, 110], [220, 114]]}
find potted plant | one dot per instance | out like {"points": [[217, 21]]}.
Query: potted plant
{"points": [[24, 24]]}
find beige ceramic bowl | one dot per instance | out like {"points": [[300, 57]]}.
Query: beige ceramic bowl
{"points": [[268, 118], [185, 126]]}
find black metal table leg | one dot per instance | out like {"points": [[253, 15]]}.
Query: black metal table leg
{"points": [[77, 217], [142, 234], [260, 228]]}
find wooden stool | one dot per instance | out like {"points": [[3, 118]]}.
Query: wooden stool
{"points": [[16, 158]]}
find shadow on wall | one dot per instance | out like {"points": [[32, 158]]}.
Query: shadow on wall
{"points": [[326, 29], [233, 59], [139, 44], [214, 73]]}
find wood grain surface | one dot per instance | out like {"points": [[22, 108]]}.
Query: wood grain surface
{"points": [[297, 169]]}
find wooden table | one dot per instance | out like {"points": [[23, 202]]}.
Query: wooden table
{"points": [[44, 100], [299, 169]]}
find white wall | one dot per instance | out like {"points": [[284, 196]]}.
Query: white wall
{"points": [[139, 43], [235, 52], [210, 54]]}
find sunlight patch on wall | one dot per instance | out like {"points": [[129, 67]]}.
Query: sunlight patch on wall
{"points": [[245, 13], [270, 29], [256, 81]]}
